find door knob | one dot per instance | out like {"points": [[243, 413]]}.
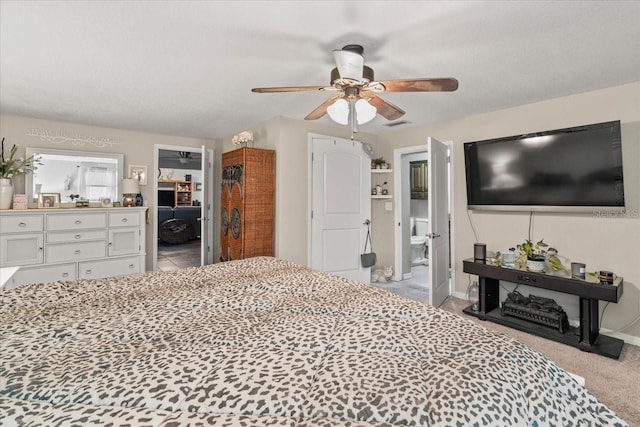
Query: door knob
{"points": [[433, 235]]}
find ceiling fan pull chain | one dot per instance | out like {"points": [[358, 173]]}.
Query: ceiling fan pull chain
{"points": [[352, 116]]}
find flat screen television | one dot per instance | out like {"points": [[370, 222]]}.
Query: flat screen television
{"points": [[577, 169]]}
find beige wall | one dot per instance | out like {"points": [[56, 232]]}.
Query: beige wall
{"points": [[609, 243], [289, 138], [137, 148]]}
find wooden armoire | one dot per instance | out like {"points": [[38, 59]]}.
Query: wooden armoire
{"points": [[247, 203]]}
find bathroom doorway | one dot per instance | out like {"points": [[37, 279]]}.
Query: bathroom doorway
{"points": [[412, 222]]}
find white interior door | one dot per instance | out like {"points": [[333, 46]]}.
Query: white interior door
{"points": [[206, 236], [438, 154], [340, 205]]}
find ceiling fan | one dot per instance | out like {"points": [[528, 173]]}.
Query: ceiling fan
{"points": [[357, 100], [183, 157]]}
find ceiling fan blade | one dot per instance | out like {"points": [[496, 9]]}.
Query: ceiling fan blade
{"points": [[350, 64], [385, 108], [292, 89], [321, 110], [421, 85]]}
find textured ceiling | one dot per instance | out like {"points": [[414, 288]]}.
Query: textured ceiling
{"points": [[186, 68]]}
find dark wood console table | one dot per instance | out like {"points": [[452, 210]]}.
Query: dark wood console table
{"points": [[586, 337]]}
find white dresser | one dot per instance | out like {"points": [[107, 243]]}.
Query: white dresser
{"points": [[68, 244]]}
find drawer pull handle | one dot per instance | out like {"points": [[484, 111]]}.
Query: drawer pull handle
{"points": [[88, 272], [77, 236], [110, 244], [40, 248], [65, 274], [77, 251], [124, 220], [22, 224], [77, 221], [131, 265]]}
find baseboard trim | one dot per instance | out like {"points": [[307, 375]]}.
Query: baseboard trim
{"points": [[628, 339], [407, 276], [460, 295]]}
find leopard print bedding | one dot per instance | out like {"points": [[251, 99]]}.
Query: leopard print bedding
{"points": [[265, 342]]}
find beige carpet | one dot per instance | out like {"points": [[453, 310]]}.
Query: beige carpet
{"points": [[616, 383]]}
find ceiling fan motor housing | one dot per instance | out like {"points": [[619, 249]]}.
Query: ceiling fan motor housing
{"points": [[367, 74], [355, 48]]}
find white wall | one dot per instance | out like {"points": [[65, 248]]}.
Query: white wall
{"points": [[601, 241]]}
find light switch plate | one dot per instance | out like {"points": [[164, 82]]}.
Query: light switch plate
{"points": [[388, 206]]}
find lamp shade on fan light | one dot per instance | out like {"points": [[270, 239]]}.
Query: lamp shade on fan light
{"points": [[339, 111], [130, 187]]}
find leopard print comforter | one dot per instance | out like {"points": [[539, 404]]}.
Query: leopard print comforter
{"points": [[264, 342]]}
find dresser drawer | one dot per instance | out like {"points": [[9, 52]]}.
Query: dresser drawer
{"points": [[20, 224], [76, 221], [124, 219], [75, 236], [75, 252], [52, 273], [109, 268]]}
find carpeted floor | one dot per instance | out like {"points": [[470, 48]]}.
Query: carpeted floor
{"points": [[616, 383]]}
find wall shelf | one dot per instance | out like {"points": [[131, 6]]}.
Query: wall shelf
{"points": [[182, 190], [381, 170], [388, 196]]}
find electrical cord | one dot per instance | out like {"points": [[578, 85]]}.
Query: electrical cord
{"points": [[472, 227], [633, 322], [530, 224], [602, 314]]}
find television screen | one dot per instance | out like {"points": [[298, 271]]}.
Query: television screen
{"points": [[166, 198], [574, 169]]}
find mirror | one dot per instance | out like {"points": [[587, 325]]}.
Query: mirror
{"points": [[419, 179], [75, 174]]}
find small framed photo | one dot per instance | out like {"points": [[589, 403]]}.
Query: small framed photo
{"points": [[198, 186], [106, 202], [48, 200], [138, 172]]}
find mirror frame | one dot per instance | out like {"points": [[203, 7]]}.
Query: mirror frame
{"points": [[40, 150]]}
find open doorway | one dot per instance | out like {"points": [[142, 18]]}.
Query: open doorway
{"points": [[422, 233], [181, 237]]}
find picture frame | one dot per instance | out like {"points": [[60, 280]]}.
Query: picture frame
{"points": [[138, 172], [48, 200], [197, 186], [106, 202]]}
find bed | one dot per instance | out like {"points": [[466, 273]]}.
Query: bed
{"points": [[265, 342]]}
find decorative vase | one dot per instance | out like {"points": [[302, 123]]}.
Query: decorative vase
{"points": [[6, 193]]}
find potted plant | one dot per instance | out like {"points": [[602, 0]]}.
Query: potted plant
{"points": [[535, 253], [379, 162], [10, 167]]}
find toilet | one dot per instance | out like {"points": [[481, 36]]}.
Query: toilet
{"points": [[419, 227]]}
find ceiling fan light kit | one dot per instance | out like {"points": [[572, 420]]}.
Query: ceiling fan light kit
{"points": [[359, 103]]}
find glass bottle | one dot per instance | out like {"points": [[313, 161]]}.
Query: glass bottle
{"points": [[473, 295]]}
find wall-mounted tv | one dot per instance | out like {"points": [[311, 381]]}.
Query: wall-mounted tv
{"points": [[576, 169]]}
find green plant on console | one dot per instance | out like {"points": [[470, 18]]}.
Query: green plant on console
{"points": [[535, 251]]}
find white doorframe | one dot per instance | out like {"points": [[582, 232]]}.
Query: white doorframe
{"points": [[154, 226], [397, 208]]}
